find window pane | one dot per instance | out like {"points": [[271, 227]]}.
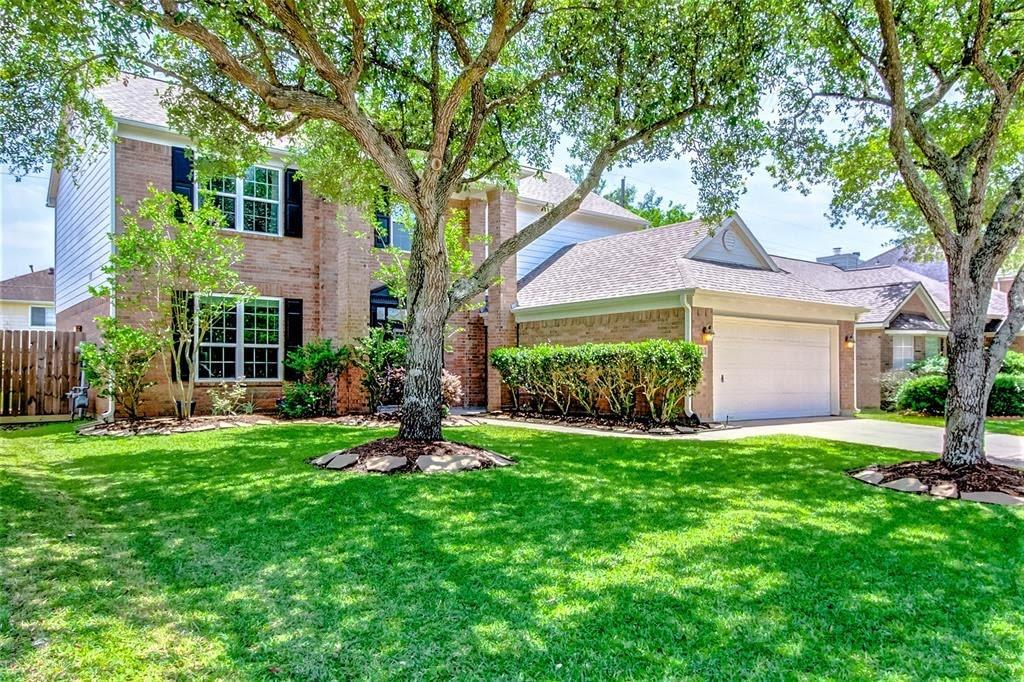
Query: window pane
{"points": [[38, 315], [262, 323], [216, 362], [931, 346], [401, 237], [224, 184], [259, 216], [224, 327], [227, 207], [902, 351], [260, 183], [260, 363]]}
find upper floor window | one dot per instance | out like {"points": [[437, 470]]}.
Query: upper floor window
{"points": [[251, 203], [393, 228], [902, 351], [244, 341]]}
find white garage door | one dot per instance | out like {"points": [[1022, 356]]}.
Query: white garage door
{"points": [[766, 370]]}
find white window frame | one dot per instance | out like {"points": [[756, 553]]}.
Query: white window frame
{"points": [[46, 321], [240, 198], [240, 345], [899, 349]]}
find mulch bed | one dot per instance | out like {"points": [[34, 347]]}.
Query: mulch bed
{"points": [[968, 479], [601, 423], [411, 451], [162, 426]]}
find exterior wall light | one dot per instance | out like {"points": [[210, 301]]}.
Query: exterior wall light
{"points": [[850, 342], [707, 333]]}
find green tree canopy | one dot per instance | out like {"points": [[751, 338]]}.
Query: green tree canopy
{"points": [[426, 98], [914, 111]]}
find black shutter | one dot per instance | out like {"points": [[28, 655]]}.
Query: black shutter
{"points": [[181, 175], [382, 230], [292, 204], [176, 332], [292, 332]]}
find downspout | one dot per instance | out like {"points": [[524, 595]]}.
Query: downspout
{"points": [[108, 414], [687, 297]]}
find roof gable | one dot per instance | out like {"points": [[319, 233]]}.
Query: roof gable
{"points": [[732, 243], [545, 188]]}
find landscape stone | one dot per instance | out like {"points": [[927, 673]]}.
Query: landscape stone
{"points": [[431, 464], [993, 497], [944, 490], [869, 476], [385, 464], [907, 485], [324, 459], [497, 460], [342, 461]]}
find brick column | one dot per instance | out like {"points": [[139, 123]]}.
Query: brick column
{"points": [[846, 370], [501, 327]]}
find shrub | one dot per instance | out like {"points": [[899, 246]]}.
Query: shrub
{"points": [[451, 387], [318, 364], [592, 375], [927, 395], [307, 400], [1007, 397], [230, 399], [1013, 364], [936, 364], [889, 384], [376, 354], [118, 367]]}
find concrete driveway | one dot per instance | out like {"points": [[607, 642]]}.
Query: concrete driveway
{"points": [[1000, 448]]}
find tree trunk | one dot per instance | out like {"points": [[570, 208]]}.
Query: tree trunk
{"points": [[967, 396], [428, 307]]}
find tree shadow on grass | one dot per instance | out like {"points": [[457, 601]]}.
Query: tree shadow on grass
{"points": [[592, 557]]}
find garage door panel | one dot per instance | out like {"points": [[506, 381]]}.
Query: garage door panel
{"points": [[767, 370]]}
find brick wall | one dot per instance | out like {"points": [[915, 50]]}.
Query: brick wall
{"points": [[467, 356], [869, 363], [847, 356], [501, 327], [329, 268]]}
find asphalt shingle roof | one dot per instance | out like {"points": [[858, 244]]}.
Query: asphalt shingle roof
{"points": [[32, 286], [649, 262], [832, 278], [135, 98], [551, 187], [916, 322], [881, 301]]}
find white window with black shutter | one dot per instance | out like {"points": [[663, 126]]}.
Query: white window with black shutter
{"points": [[265, 200], [392, 228], [245, 341]]}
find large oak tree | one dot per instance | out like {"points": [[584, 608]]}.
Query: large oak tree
{"points": [[423, 97], [931, 142]]}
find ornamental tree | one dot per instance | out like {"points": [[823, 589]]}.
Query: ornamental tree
{"points": [[171, 276], [930, 142], [425, 98]]}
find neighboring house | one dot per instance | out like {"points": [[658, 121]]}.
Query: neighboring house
{"points": [[26, 301], [906, 318]]}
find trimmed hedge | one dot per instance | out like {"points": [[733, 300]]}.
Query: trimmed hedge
{"points": [[927, 394], [594, 375]]}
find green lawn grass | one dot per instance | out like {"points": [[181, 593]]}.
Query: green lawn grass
{"points": [[1011, 425], [224, 555]]}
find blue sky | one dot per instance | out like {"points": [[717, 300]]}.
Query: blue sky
{"points": [[786, 223]]}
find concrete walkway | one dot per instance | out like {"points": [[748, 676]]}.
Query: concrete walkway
{"points": [[1001, 448]]}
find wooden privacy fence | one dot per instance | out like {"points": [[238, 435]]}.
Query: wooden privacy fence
{"points": [[37, 369]]}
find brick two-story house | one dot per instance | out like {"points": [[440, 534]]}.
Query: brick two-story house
{"points": [[782, 337]]}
